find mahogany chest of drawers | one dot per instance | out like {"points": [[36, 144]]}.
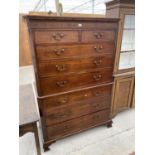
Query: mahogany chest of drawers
{"points": [[73, 61]]}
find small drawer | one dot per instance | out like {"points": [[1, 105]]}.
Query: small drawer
{"points": [[98, 36], [73, 81], [55, 68], [56, 37], [75, 125], [45, 53]]}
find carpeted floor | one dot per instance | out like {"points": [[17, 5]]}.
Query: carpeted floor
{"points": [[118, 140]]}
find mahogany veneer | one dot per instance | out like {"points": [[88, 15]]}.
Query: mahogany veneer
{"points": [[73, 60]]}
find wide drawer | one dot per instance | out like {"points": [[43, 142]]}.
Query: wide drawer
{"points": [[79, 24], [56, 36], [72, 105], [55, 68], [67, 99], [98, 36], [62, 83], [77, 125], [45, 53], [79, 109]]}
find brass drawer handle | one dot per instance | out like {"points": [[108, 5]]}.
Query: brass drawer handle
{"points": [[98, 35], [97, 93], [95, 105], [59, 51], [60, 68], [96, 117], [98, 62], [61, 115], [97, 77], [61, 83], [64, 100], [98, 49], [65, 127], [58, 36]]}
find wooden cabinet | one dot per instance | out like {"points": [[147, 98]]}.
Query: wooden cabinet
{"points": [[73, 61], [125, 50], [123, 94]]}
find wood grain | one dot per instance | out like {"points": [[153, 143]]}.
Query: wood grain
{"points": [[24, 46], [122, 94], [59, 52], [66, 67], [75, 125], [62, 83]]}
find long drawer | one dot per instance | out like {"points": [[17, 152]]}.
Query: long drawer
{"points": [[62, 83], [67, 99], [75, 125], [45, 53], [55, 68], [65, 107], [58, 115]]}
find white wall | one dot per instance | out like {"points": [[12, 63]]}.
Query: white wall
{"points": [[28, 5]]}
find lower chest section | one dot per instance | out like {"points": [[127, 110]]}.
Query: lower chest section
{"points": [[73, 112]]}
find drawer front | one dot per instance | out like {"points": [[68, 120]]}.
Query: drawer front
{"points": [[55, 68], [63, 83], [78, 124], [46, 53], [50, 103], [61, 114], [97, 36], [72, 25], [56, 37]]}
